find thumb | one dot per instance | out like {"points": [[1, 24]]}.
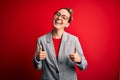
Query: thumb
{"points": [[75, 51], [40, 48]]}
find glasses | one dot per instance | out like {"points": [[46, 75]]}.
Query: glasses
{"points": [[62, 16]]}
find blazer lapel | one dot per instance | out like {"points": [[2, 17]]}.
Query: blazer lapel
{"points": [[51, 48], [62, 47]]}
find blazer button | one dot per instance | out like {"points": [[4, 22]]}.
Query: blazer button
{"points": [[57, 71]]}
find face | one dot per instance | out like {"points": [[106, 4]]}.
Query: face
{"points": [[61, 18]]}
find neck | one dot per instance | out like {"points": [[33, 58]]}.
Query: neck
{"points": [[57, 33]]}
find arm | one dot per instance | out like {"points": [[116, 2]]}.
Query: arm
{"points": [[83, 64], [37, 64]]}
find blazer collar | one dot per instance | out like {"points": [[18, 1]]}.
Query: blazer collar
{"points": [[49, 37]]}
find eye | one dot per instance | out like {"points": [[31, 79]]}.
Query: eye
{"points": [[57, 14], [65, 17]]}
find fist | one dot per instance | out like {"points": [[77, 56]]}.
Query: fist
{"points": [[75, 57], [41, 55]]}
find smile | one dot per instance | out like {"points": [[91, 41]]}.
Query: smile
{"points": [[58, 22]]}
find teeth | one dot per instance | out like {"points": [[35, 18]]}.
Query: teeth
{"points": [[58, 21]]}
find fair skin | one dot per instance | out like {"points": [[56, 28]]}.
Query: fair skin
{"points": [[60, 22]]}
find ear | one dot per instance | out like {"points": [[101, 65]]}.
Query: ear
{"points": [[67, 25]]}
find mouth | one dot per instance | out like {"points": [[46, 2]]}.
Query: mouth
{"points": [[59, 22]]}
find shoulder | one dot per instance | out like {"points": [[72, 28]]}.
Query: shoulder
{"points": [[43, 36], [71, 36]]}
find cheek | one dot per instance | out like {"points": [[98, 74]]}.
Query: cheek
{"points": [[65, 23], [55, 17]]}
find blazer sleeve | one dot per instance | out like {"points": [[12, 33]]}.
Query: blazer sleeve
{"points": [[83, 64], [37, 64]]}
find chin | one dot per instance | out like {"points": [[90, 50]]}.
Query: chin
{"points": [[57, 27]]}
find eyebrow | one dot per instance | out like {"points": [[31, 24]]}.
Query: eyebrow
{"points": [[61, 14]]}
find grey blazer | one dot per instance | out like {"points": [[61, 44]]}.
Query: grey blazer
{"points": [[63, 67]]}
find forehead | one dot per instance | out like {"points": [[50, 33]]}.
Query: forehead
{"points": [[64, 12]]}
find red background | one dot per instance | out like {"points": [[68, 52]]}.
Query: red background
{"points": [[96, 23]]}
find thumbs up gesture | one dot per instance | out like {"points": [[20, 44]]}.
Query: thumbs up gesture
{"points": [[41, 55], [75, 57]]}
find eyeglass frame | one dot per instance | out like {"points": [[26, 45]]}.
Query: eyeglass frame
{"points": [[64, 17]]}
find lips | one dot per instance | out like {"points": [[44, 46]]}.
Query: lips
{"points": [[58, 22]]}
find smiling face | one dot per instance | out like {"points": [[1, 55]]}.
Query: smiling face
{"points": [[60, 20]]}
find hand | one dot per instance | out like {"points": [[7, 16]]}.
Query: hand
{"points": [[75, 57], [41, 55]]}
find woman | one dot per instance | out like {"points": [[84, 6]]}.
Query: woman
{"points": [[58, 51]]}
